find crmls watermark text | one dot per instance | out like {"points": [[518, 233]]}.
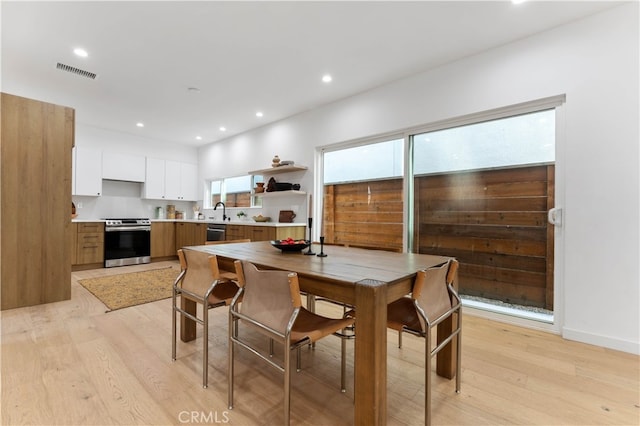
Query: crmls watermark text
{"points": [[202, 417]]}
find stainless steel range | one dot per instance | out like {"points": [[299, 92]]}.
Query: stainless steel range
{"points": [[127, 242]]}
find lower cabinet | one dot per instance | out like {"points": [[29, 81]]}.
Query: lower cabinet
{"points": [[261, 233], [190, 234], [163, 239], [90, 243], [236, 232], [74, 243], [264, 233], [295, 232]]}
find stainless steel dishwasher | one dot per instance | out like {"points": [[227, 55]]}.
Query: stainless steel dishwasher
{"points": [[216, 232]]}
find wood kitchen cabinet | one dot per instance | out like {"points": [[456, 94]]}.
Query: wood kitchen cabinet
{"points": [[35, 201], [264, 233], [295, 232], [261, 233], [163, 239], [90, 244], [236, 232], [74, 243], [190, 234]]}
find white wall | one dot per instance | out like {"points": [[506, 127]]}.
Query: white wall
{"points": [[595, 63]]}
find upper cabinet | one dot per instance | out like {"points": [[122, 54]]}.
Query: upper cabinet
{"points": [[181, 181], [87, 171], [170, 180], [123, 167], [154, 179]]}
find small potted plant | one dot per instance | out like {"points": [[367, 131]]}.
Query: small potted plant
{"points": [[241, 215]]}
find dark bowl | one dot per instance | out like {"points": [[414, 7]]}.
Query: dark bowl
{"points": [[290, 247]]}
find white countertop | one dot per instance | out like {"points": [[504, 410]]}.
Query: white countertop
{"points": [[218, 222], [233, 222]]}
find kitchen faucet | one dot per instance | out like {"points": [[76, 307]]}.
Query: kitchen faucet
{"points": [[224, 210]]}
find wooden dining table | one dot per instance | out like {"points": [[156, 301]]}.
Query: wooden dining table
{"points": [[366, 279]]}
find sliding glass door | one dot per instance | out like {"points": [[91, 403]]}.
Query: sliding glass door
{"points": [[481, 194], [478, 191]]}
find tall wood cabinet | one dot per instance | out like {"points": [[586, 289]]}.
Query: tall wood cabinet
{"points": [[35, 212]]}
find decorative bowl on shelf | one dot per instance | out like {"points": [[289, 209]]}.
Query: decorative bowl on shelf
{"points": [[262, 218], [290, 244]]}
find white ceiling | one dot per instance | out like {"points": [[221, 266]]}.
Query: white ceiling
{"points": [[242, 56]]}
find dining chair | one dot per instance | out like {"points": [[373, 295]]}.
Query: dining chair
{"points": [[433, 299], [272, 305], [223, 272], [200, 281]]}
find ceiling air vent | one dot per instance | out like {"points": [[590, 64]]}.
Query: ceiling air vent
{"points": [[76, 71]]}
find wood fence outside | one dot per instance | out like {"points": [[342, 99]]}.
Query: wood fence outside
{"points": [[365, 214], [493, 222]]}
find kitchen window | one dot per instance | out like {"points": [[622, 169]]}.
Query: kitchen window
{"points": [[234, 191]]}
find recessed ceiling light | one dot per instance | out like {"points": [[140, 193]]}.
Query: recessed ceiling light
{"points": [[80, 52], [518, 1], [140, 124], [199, 138], [193, 90], [223, 129], [327, 78], [259, 114]]}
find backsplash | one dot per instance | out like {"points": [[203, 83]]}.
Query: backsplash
{"points": [[122, 199]]}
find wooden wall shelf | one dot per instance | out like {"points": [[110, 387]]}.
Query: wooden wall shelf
{"points": [[276, 170], [276, 194]]}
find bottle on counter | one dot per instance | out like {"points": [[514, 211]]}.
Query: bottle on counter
{"points": [[171, 211]]}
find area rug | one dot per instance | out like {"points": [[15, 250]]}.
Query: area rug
{"points": [[134, 288]]}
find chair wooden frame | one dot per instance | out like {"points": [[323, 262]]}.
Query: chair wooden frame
{"points": [[302, 326], [204, 284], [444, 305]]}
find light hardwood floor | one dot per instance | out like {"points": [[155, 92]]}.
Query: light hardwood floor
{"points": [[71, 363]]}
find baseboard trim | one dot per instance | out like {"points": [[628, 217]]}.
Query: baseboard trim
{"points": [[600, 340], [510, 319]]}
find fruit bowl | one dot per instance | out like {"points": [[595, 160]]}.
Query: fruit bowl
{"points": [[290, 244], [262, 218]]}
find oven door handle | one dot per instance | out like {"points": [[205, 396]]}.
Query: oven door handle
{"points": [[127, 228]]}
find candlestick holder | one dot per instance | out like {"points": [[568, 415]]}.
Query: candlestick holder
{"points": [[322, 254], [309, 252]]}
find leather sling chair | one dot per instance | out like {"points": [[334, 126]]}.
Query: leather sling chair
{"points": [[272, 305], [202, 282], [433, 299]]}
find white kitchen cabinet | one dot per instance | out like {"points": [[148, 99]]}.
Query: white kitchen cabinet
{"points": [[154, 179], [125, 167], [189, 181], [87, 171], [170, 180], [172, 187]]}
